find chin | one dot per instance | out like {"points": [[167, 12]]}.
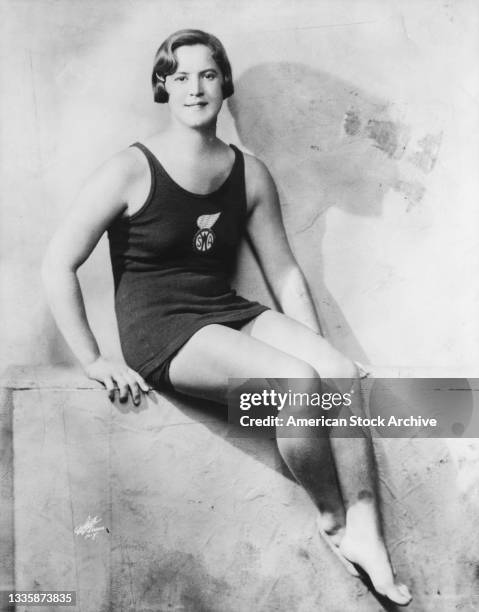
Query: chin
{"points": [[200, 122]]}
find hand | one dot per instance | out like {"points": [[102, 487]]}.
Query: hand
{"points": [[117, 375]]}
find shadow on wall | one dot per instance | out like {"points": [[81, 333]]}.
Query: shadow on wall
{"points": [[328, 144]]}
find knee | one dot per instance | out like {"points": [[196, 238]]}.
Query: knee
{"points": [[345, 368], [340, 372], [338, 366], [304, 377], [302, 369]]}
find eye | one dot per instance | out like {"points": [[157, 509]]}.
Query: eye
{"points": [[181, 78], [210, 76]]}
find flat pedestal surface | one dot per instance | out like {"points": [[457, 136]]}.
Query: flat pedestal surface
{"points": [[157, 508]]}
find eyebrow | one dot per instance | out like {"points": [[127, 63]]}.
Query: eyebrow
{"points": [[200, 72]]}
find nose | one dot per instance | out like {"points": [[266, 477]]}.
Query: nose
{"points": [[194, 83]]}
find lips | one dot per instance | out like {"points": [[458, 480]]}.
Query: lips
{"points": [[196, 104]]}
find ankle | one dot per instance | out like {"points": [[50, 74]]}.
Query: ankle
{"points": [[362, 520], [331, 523]]}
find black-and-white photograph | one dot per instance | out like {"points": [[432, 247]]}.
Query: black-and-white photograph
{"points": [[238, 299]]}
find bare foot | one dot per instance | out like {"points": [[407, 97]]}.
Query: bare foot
{"points": [[373, 559], [332, 535], [363, 545]]}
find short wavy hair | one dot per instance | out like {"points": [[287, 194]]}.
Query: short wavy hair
{"points": [[165, 62]]}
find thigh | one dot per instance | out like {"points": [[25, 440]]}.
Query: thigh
{"points": [[216, 353], [292, 337]]}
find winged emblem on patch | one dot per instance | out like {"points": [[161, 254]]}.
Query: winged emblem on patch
{"points": [[205, 237]]}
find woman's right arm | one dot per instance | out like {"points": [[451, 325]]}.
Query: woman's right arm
{"points": [[104, 196]]}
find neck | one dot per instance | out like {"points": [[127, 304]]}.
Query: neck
{"points": [[194, 140]]}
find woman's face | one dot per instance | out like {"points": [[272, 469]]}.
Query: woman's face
{"points": [[195, 89]]}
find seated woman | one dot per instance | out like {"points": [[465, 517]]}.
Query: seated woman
{"points": [[176, 208]]}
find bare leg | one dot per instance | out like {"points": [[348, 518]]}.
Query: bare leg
{"points": [[202, 372], [361, 541], [257, 351], [310, 460]]}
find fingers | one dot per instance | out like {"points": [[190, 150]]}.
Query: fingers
{"points": [[131, 383], [133, 387], [118, 376], [144, 386], [122, 385], [110, 387]]}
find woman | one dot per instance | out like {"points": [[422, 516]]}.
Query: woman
{"points": [[175, 208]]}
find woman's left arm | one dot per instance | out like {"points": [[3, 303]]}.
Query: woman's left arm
{"points": [[266, 231]]}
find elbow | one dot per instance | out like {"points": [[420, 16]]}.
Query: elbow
{"points": [[48, 270], [53, 267], [45, 266], [49, 264]]}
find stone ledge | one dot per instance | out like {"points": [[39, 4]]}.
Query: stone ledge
{"points": [[194, 515], [46, 377], [20, 377]]}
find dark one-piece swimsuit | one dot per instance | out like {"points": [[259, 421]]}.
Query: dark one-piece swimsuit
{"points": [[172, 261]]}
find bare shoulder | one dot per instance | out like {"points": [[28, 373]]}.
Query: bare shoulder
{"points": [[260, 185], [123, 168], [256, 170], [107, 191], [121, 181]]}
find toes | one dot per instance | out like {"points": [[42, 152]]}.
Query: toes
{"points": [[399, 594], [375, 570], [404, 591]]}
